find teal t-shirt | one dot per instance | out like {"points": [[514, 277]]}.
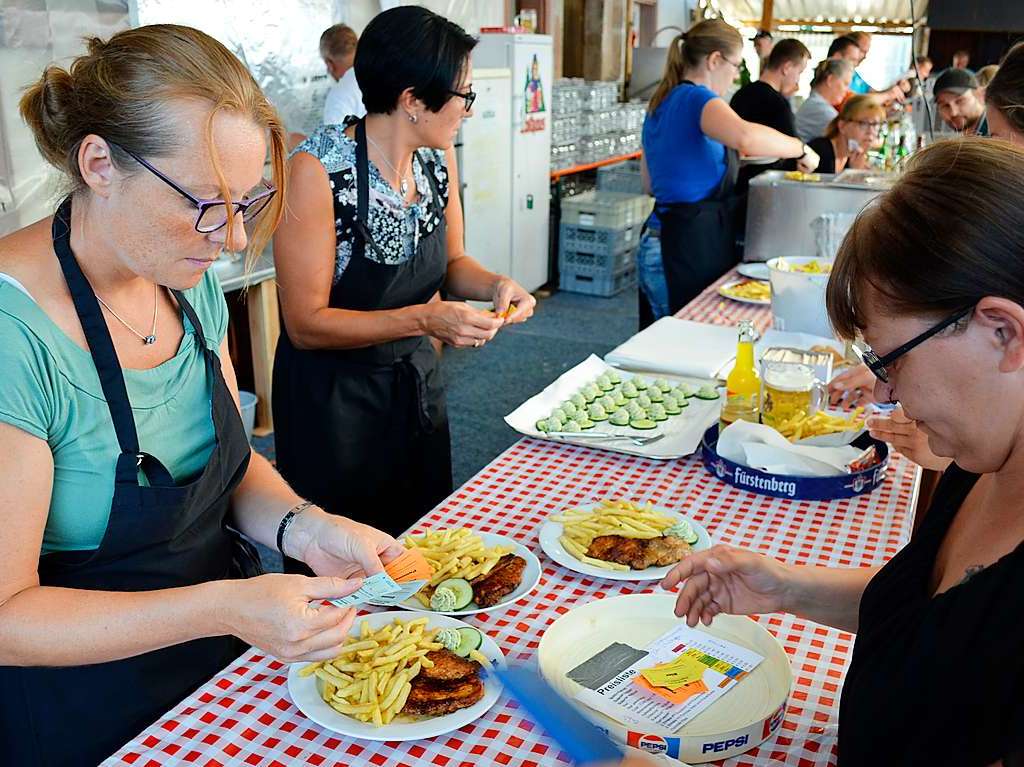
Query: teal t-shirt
{"points": [[51, 390]]}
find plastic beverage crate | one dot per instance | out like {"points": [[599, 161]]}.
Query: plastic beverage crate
{"points": [[623, 177], [586, 239], [595, 264], [609, 210], [587, 283]]}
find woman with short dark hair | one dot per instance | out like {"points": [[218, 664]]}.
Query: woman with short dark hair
{"points": [[372, 233], [939, 295]]}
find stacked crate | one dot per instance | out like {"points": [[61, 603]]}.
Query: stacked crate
{"points": [[598, 238], [621, 177]]}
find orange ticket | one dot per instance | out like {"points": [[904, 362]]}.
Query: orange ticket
{"points": [[679, 696], [409, 566]]}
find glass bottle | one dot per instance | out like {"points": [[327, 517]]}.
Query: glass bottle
{"points": [[743, 385]]}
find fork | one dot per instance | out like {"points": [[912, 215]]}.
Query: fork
{"points": [[639, 441]]}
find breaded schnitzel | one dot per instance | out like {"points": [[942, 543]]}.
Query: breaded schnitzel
{"points": [[639, 553], [504, 578], [451, 684]]}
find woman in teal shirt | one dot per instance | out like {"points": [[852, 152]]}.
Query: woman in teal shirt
{"points": [[126, 481]]}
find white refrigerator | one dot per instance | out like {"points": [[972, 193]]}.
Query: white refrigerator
{"points": [[529, 59]]}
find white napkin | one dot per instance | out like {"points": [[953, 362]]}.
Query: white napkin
{"points": [[761, 447], [678, 347]]}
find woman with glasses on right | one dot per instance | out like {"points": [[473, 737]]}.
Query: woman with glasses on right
{"points": [[850, 135], [691, 137], [931, 277], [371, 233]]}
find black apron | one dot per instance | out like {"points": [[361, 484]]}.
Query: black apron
{"points": [[159, 536], [364, 432], [698, 239]]}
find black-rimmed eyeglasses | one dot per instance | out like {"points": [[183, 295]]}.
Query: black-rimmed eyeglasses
{"points": [[878, 365], [213, 212], [469, 97]]}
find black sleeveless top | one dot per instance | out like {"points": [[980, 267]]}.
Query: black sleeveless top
{"points": [[937, 680]]}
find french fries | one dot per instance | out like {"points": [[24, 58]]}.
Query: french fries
{"points": [[371, 678], [454, 553], [800, 425], [580, 527], [754, 290]]}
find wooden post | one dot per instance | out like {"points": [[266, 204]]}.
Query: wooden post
{"points": [[264, 330], [604, 37], [767, 11]]}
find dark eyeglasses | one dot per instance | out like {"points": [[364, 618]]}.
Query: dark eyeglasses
{"points": [[868, 124], [878, 365], [213, 213], [469, 97]]}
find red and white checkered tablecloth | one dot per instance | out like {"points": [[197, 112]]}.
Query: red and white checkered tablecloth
{"points": [[245, 717]]}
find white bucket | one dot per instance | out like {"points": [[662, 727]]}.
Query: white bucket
{"points": [[798, 298], [248, 402]]}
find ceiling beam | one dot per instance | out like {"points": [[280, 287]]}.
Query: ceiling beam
{"points": [[767, 10]]}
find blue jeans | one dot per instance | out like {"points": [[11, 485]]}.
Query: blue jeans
{"points": [[651, 273]]}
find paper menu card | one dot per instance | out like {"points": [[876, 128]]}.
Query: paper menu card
{"points": [[410, 571], [630, 699]]}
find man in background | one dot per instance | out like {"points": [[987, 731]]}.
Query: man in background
{"points": [[763, 47], [961, 59], [338, 50], [959, 103]]}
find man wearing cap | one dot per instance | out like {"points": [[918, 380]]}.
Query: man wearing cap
{"points": [[959, 103], [762, 46]]}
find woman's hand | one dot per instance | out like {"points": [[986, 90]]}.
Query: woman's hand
{"points": [[273, 613], [728, 580], [858, 159], [902, 433], [338, 546], [459, 324], [809, 161], [507, 293], [854, 387]]}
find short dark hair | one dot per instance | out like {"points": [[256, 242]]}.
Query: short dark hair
{"points": [[410, 47], [840, 44], [788, 50], [338, 41], [914, 247], [922, 60], [961, 52]]}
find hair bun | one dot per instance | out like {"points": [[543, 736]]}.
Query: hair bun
{"points": [[48, 107]]}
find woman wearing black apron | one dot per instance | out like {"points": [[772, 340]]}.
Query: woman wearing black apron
{"points": [[692, 139], [373, 232], [125, 582]]}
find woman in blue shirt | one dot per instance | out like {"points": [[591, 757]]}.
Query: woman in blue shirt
{"points": [[690, 139]]}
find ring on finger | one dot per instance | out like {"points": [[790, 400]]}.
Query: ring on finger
{"points": [[477, 343]]}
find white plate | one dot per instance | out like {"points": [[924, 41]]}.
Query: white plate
{"points": [[551, 531], [755, 270], [637, 620], [305, 696], [733, 283], [531, 577]]}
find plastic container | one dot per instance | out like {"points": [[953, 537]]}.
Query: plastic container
{"points": [[609, 210], [585, 281], [248, 401], [798, 298], [586, 239], [597, 264]]}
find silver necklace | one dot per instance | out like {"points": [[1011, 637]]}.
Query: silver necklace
{"points": [[151, 338], [403, 183]]}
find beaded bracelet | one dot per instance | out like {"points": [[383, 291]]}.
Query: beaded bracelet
{"points": [[286, 522]]}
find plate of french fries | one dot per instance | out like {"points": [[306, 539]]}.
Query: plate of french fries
{"points": [[748, 292], [824, 428], [566, 536], [362, 692], [462, 553]]}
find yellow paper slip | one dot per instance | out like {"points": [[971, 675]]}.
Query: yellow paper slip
{"points": [[684, 670]]}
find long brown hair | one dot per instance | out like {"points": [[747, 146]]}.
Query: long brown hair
{"points": [[687, 50], [855, 108], [1006, 90], [119, 90], [949, 233]]}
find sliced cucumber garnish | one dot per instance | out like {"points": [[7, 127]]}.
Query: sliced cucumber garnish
{"points": [[643, 423], [707, 392], [461, 588], [471, 640]]}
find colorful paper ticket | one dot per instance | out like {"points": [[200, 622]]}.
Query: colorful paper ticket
{"points": [[381, 589], [682, 673]]}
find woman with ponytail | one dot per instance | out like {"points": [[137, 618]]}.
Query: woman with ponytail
{"points": [[691, 138]]}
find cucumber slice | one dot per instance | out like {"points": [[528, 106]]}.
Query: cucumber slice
{"points": [[692, 538], [471, 640], [674, 409], [643, 423], [462, 589], [588, 424], [707, 392]]}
